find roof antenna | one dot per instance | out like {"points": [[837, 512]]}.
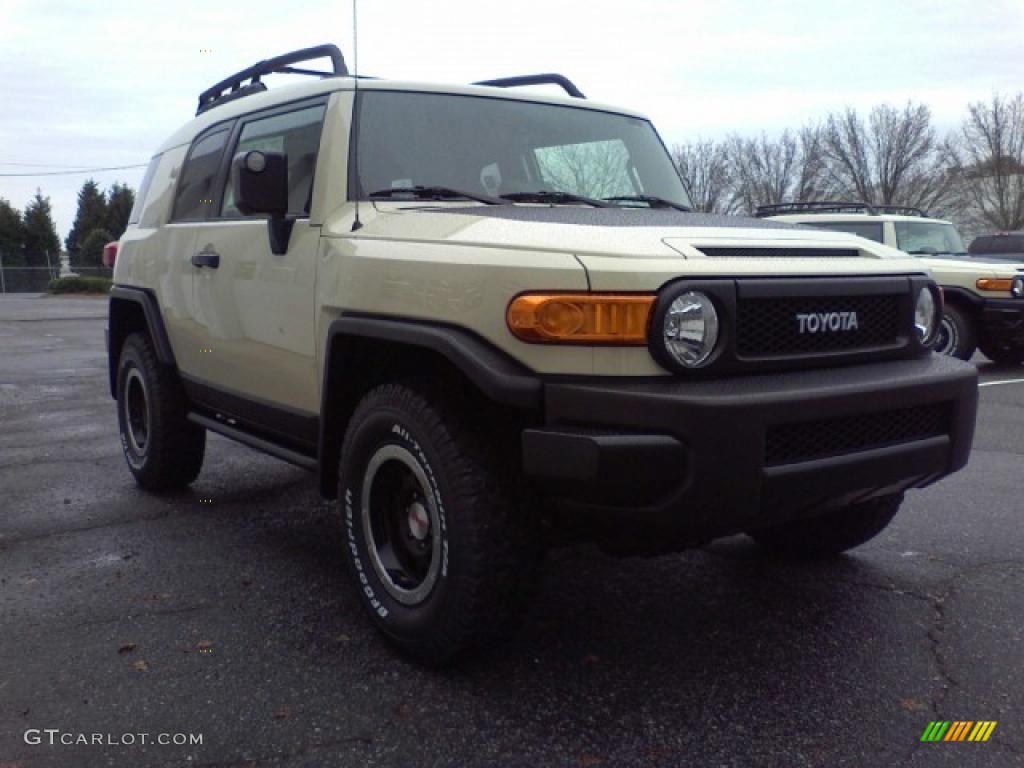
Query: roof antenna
{"points": [[356, 224]]}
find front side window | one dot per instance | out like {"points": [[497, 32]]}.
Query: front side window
{"points": [[870, 230], [489, 146], [928, 238], [197, 177], [297, 134]]}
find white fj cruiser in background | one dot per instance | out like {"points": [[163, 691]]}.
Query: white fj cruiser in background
{"points": [[984, 303], [489, 322]]}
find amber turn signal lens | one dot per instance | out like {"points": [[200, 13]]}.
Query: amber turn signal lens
{"points": [[995, 284], [580, 318]]}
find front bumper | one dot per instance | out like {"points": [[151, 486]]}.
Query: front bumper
{"points": [[1002, 321], [715, 457]]}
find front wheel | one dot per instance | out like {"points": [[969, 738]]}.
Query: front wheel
{"points": [[443, 558], [957, 336], [832, 533], [1003, 354]]}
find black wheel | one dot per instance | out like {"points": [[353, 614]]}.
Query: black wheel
{"points": [[444, 559], [957, 336], [831, 533], [163, 449], [1002, 354]]}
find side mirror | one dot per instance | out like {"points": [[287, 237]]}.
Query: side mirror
{"points": [[261, 186]]}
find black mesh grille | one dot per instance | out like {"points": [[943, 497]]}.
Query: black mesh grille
{"points": [[782, 253], [771, 327], [789, 443]]}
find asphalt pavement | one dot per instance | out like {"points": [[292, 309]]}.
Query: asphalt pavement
{"points": [[225, 613]]}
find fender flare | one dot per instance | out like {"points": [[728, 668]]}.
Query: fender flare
{"points": [[497, 375], [154, 323]]}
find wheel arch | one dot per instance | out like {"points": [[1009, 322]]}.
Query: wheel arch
{"points": [[962, 299], [133, 310], [363, 351]]}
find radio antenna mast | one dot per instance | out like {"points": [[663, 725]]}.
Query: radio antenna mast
{"points": [[356, 224]]}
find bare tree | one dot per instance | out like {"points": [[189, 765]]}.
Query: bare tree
{"points": [[705, 169], [895, 158], [595, 169], [790, 168], [988, 158]]}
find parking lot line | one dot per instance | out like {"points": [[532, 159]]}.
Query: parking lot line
{"points": [[1004, 381]]}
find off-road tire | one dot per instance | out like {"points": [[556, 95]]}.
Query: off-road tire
{"points": [[1002, 354], [832, 533], [958, 327], [488, 540], [171, 455]]}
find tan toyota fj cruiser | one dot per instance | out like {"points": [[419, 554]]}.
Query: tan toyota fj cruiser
{"points": [[984, 303], [489, 322]]}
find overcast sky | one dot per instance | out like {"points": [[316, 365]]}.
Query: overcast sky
{"points": [[89, 84]]}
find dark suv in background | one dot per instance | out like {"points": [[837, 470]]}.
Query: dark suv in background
{"points": [[1006, 246]]}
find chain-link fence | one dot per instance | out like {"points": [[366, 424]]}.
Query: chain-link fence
{"points": [[18, 279]]}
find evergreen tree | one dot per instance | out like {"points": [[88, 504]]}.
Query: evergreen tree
{"points": [[92, 214], [40, 233], [120, 199], [91, 252], [12, 235]]}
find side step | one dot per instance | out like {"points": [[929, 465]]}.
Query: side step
{"points": [[241, 436]]}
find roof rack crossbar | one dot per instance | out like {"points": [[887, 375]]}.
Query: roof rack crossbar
{"points": [[836, 206], [233, 87], [547, 78]]}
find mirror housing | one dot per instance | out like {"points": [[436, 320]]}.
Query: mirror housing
{"points": [[261, 186]]}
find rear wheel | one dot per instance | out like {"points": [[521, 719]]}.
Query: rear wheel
{"points": [[1003, 354], [444, 558], [163, 449], [831, 533], [957, 336]]}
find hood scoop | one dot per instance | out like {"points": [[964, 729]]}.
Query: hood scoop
{"points": [[753, 252]]}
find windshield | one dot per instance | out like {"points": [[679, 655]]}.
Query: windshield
{"points": [[928, 237], [495, 147]]}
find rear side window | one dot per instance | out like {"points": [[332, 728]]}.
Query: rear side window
{"points": [[297, 134], [140, 198], [197, 177], [869, 229]]}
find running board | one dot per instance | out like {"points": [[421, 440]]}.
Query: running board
{"points": [[241, 436]]}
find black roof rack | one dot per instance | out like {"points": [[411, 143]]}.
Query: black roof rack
{"points": [[231, 88], [836, 206], [548, 78]]}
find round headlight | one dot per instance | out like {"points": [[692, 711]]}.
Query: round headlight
{"points": [[926, 315], [1017, 289], [690, 329]]}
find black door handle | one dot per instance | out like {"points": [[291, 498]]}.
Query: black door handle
{"points": [[209, 259]]}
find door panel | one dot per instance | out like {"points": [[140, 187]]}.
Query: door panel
{"points": [[255, 312]]}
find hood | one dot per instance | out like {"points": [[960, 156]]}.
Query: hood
{"points": [[972, 268], [633, 233]]}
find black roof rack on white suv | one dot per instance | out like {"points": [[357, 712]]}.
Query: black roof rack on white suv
{"points": [[231, 88], [548, 78], [833, 206]]}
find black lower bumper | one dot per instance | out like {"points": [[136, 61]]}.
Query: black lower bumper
{"points": [[1002, 321], [715, 457]]}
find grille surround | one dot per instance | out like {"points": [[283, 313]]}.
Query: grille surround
{"points": [[801, 441], [769, 327]]}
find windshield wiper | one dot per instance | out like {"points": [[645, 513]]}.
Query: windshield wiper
{"points": [[437, 193], [652, 200], [554, 198]]}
